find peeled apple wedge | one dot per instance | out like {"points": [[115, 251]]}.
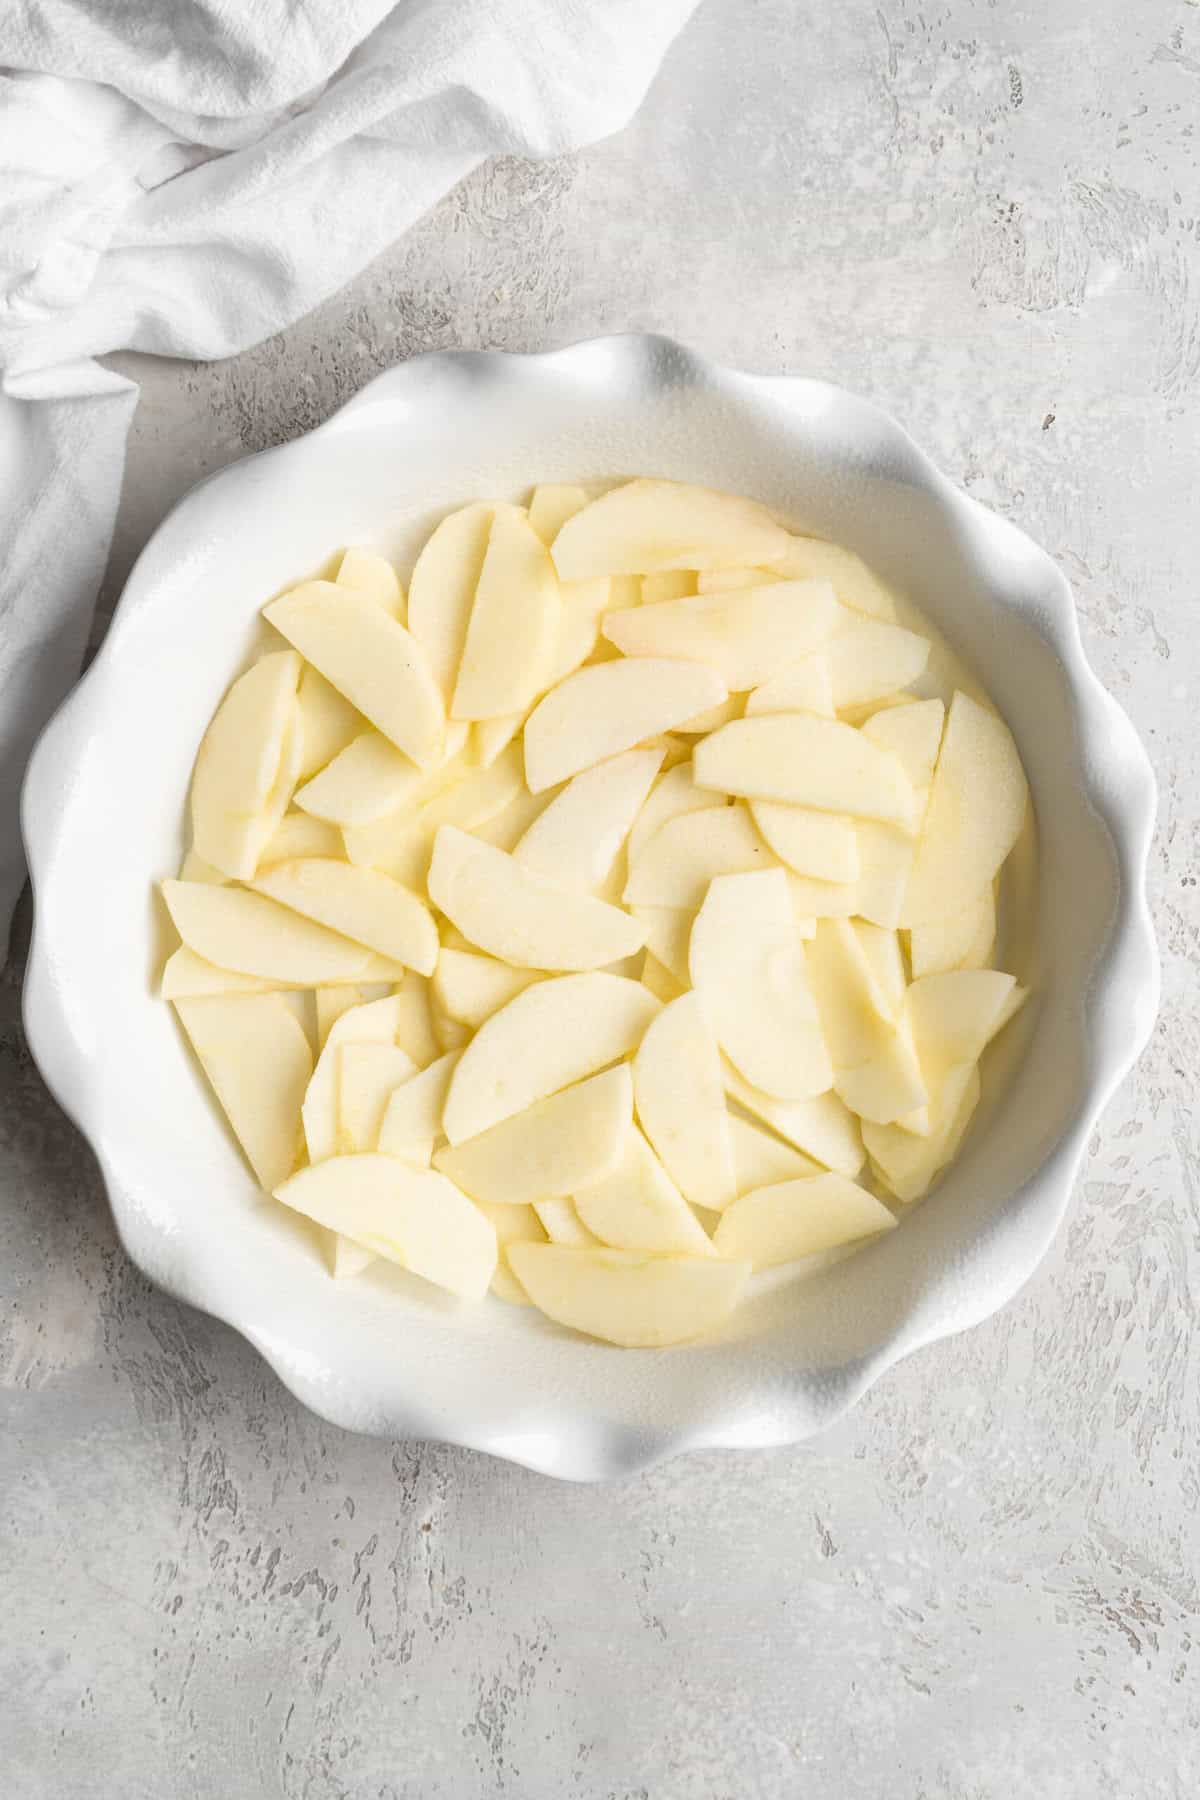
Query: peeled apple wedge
{"points": [[368, 1075], [256, 1056], [298, 835], [370, 658], [513, 627], [626, 1298], [659, 979], [327, 723], [254, 935], [804, 687], [876, 1071], [811, 559], [414, 1217], [412, 1119], [552, 504], [648, 525], [194, 868], [414, 1020], [748, 969], [780, 1224], [567, 1141], [555, 1033], [520, 918], [442, 589], [401, 843], [820, 846], [367, 779], [953, 1016], [746, 637], [806, 761], [869, 659], [372, 575], [673, 794], [885, 961], [908, 1163], [974, 817], [636, 1206], [961, 941], [687, 853], [374, 1023], [823, 1127], [681, 1105], [363, 904], [609, 707], [584, 604], [668, 934], [912, 733], [187, 976], [333, 1002], [761, 1159], [576, 840], [236, 803], [561, 1223], [470, 987]]}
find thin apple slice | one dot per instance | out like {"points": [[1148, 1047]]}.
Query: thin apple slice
{"points": [[811, 559], [820, 846], [869, 659], [626, 1298], [658, 978], [761, 1159], [442, 588], [668, 934], [367, 779], [584, 604], [363, 904], [551, 504], [372, 1023], [823, 1127], [328, 722], [576, 840], [555, 1033], [414, 1023], [194, 868], [567, 1141], [912, 733], [648, 525], [402, 842], [256, 1056], [187, 976], [332, 1003], [908, 1163], [804, 687], [681, 1104], [885, 858], [806, 761], [976, 809], [885, 961], [470, 987], [235, 800], [876, 1071], [411, 1216], [748, 969], [687, 853], [412, 1120], [373, 575], [667, 584], [745, 637], [673, 794], [780, 1224], [637, 1206], [888, 1086], [520, 918], [252, 935], [609, 707], [298, 835], [367, 1077], [561, 1223], [512, 1225], [370, 658], [513, 629], [963, 941], [955, 1015]]}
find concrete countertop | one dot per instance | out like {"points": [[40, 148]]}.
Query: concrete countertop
{"points": [[983, 1584]]}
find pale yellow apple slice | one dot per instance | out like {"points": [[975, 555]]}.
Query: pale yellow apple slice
{"points": [[820, 846], [811, 559], [876, 1071], [414, 1021], [411, 1216], [575, 841], [746, 637], [885, 963], [673, 794], [367, 779], [412, 1120], [748, 969], [194, 868], [975, 813], [962, 941], [626, 1298], [370, 658], [470, 987], [687, 853], [954, 1015], [560, 1222], [658, 978], [513, 629], [804, 687], [567, 1141], [555, 1033], [612, 706], [253, 935], [237, 767], [512, 1225], [520, 918], [806, 761], [442, 589], [373, 575], [700, 724], [637, 1206], [187, 976], [823, 1127], [298, 835], [363, 904], [371, 1023], [780, 1224], [449, 1034], [885, 859], [256, 1056], [889, 1085], [668, 934], [647, 525], [668, 584], [551, 504], [401, 843], [491, 737], [909, 1163], [681, 1105], [912, 733], [761, 1159], [584, 604], [328, 722], [333, 1002], [869, 659], [367, 1077]]}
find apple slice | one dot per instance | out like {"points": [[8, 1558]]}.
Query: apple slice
{"points": [[955, 1015], [372, 575], [520, 918], [373, 1023], [412, 1120], [744, 636], [687, 853], [442, 589], [575, 842], [470, 987], [448, 1033], [552, 504], [567, 1141], [298, 835], [876, 1071], [869, 659], [673, 794], [976, 810], [187, 976], [659, 979], [700, 724], [908, 1163], [415, 1032], [885, 858], [414, 1217], [912, 733], [885, 961], [963, 941], [804, 687], [555, 1033], [584, 604], [363, 904], [780, 1224], [681, 1104], [649, 525], [513, 629], [402, 842], [236, 798], [806, 761], [367, 1076], [512, 1225], [668, 934], [637, 1206], [667, 584], [254, 936], [256, 1056], [761, 1159], [818, 845], [748, 969], [560, 1222], [626, 1298], [367, 779], [327, 723], [332, 1003], [823, 1127], [370, 658], [609, 707], [194, 868], [811, 559]]}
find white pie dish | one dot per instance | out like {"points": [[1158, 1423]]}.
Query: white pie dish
{"points": [[103, 820]]}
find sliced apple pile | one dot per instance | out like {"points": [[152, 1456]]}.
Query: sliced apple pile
{"points": [[645, 891]]}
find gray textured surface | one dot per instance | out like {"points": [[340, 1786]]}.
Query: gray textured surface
{"points": [[981, 1586]]}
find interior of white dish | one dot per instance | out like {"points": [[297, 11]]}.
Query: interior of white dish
{"points": [[386, 1352]]}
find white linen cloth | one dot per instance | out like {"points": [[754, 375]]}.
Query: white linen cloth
{"points": [[185, 177]]}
